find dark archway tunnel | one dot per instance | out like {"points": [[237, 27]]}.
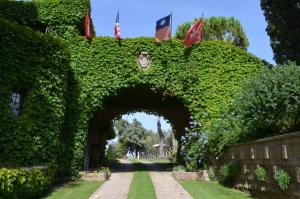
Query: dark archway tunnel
{"points": [[141, 98]]}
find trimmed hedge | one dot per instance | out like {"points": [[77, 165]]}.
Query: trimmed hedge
{"points": [[23, 183]]}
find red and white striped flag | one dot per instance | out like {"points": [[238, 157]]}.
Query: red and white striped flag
{"points": [[117, 28], [88, 32]]}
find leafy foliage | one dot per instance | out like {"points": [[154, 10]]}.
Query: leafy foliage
{"points": [[194, 148], [67, 82], [283, 179], [132, 135], [268, 105], [283, 28], [23, 183], [261, 174], [228, 173], [37, 65], [218, 28]]}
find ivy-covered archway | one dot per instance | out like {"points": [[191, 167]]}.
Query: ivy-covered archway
{"points": [[90, 77]]}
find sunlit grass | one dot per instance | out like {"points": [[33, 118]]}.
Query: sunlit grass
{"points": [[141, 185], [74, 190], [212, 190]]}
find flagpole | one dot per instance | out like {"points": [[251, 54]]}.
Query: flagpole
{"points": [[171, 27]]}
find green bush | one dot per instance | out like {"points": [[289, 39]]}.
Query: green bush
{"points": [[23, 183], [283, 179], [261, 174], [228, 173], [270, 103], [212, 174], [179, 168]]}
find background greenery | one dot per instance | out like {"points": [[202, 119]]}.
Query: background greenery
{"points": [[218, 28], [283, 28]]}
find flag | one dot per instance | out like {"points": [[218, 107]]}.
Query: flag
{"points": [[194, 34], [117, 28], [88, 33], [163, 28]]}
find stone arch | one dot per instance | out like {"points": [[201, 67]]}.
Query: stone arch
{"points": [[137, 98]]}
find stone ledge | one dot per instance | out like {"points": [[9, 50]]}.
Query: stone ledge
{"points": [[201, 175], [94, 176]]}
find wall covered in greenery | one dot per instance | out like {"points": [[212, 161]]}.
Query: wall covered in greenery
{"points": [[35, 65], [63, 93]]}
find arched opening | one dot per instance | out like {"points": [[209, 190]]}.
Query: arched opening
{"points": [[128, 100]]}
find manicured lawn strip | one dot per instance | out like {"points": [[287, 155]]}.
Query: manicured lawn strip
{"points": [[74, 190], [212, 190], [141, 185]]}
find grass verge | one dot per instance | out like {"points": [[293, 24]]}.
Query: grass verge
{"points": [[74, 190], [212, 190], [141, 185]]}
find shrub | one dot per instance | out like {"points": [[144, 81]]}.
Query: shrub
{"points": [[211, 174], [228, 173], [179, 168], [23, 183], [283, 179], [270, 103], [261, 174]]}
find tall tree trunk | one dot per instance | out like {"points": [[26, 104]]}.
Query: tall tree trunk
{"points": [[161, 136], [174, 143]]}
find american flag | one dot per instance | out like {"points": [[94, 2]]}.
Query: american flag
{"points": [[117, 28]]}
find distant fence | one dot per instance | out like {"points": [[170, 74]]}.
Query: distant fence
{"points": [[274, 153], [167, 153]]}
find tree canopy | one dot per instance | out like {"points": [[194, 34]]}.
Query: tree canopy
{"points": [[283, 28], [218, 28], [132, 135]]}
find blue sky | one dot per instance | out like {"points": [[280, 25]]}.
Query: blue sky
{"points": [[138, 18]]}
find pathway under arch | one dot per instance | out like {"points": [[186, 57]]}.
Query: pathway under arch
{"points": [[138, 98]]}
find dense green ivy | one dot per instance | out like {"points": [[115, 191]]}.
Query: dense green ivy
{"points": [[37, 65], [63, 93]]}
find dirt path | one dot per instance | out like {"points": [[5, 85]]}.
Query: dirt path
{"points": [[118, 185], [165, 186]]}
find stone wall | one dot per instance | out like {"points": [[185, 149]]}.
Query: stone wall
{"points": [[279, 152]]}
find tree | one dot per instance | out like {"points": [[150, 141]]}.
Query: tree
{"points": [[161, 136], [218, 28], [283, 28], [132, 135]]}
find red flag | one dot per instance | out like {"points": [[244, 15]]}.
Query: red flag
{"points": [[194, 34], [117, 28], [88, 33]]}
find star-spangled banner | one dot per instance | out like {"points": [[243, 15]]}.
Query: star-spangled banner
{"points": [[117, 28]]}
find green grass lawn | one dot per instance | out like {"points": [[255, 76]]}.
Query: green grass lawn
{"points": [[212, 190], [74, 190], [141, 186]]}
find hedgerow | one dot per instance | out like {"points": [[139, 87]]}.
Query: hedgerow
{"points": [[24, 183], [63, 92]]}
